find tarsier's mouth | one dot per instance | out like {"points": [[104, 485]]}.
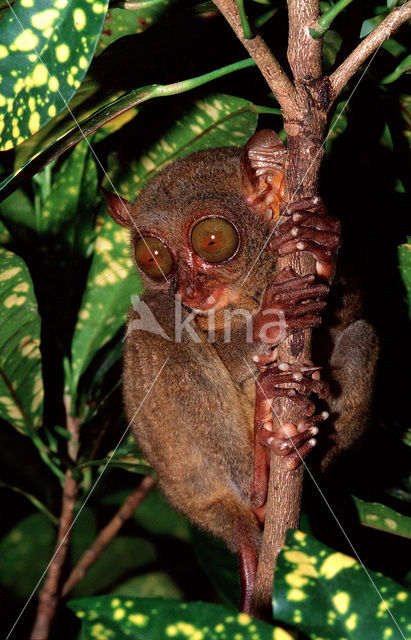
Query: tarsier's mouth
{"points": [[205, 304]]}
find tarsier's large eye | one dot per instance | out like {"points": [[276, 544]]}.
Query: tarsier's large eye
{"points": [[214, 239], [153, 257]]}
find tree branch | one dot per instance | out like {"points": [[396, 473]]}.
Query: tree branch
{"points": [[304, 52], [301, 180], [92, 554], [346, 70], [272, 71]]}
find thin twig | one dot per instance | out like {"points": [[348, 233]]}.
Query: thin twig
{"points": [[346, 70], [271, 69], [92, 554], [50, 592]]}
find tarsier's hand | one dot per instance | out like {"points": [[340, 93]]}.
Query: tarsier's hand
{"points": [[291, 303], [309, 228]]}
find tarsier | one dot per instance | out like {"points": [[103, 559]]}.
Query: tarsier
{"points": [[205, 242]]}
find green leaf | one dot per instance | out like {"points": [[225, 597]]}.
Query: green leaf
{"points": [[155, 515], [112, 279], [116, 618], [369, 25], [404, 257], [127, 463], [331, 46], [21, 382], [403, 67], [338, 124], [44, 55], [379, 516], [34, 501], [215, 121], [394, 47], [406, 438], [18, 210], [219, 564], [329, 595], [154, 584], [123, 22], [96, 390], [5, 237], [70, 208], [24, 554], [105, 115], [124, 555]]}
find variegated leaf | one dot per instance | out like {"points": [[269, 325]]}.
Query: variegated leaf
{"points": [[46, 48], [21, 382], [111, 281]]}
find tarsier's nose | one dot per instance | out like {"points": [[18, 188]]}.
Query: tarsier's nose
{"points": [[194, 291]]}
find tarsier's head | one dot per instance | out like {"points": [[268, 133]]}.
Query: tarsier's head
{"points": [[201, 224]]}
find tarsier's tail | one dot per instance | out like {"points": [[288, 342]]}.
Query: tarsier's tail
{"points": [[234, 521]]}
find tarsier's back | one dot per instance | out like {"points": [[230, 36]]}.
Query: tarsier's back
{"points": [[214, 309]]}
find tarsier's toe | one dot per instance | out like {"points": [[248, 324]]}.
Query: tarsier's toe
{"points": [[296, 457], [290, 442]]}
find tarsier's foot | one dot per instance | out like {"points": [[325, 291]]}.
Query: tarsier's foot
{"points": [[291, 441], [303, 376], [291, 303], [309, 228]]}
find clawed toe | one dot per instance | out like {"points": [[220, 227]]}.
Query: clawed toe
{"points": [[288, 443]]}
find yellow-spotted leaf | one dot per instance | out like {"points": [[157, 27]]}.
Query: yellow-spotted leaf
{"points": [[111, 281], [21, 383], [70, 208], [217, 120], [115, 617], [45, 51], [379, 516], [329, 595]]}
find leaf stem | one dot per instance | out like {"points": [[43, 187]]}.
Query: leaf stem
{"points": [[193, 83], [324, 22], [247, 31], [403, 67], [44, 455]]}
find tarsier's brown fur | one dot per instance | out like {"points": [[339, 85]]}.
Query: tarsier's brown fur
{"points": [[194, 422]]}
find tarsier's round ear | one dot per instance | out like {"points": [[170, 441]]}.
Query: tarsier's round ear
{"points": [[262, 167], [119, 208]]}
